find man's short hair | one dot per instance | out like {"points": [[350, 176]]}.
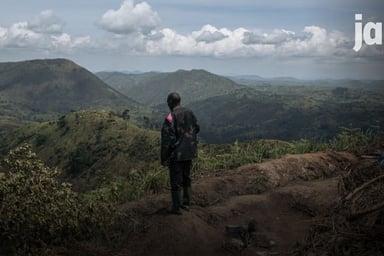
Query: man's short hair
{"points": [[173, 99]]}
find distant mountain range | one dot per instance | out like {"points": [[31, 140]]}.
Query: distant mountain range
{"points": [[285, 108]]}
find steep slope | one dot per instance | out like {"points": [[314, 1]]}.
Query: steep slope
{"points": [[42, 89], [92, 147], [153, 88]]}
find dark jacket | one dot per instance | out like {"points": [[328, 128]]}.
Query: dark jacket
{"points": [[179, 135]]}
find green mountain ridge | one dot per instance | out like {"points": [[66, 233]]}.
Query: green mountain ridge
{"points": [[40, 90], [45, 89], [152, 88]]}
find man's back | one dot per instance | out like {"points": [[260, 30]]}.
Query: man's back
{"points": [[186, 129], [179, 139]]}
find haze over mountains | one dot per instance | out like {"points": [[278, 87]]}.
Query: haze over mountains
{"points": [[285, 109]]}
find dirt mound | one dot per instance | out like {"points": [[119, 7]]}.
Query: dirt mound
{"points": [[296, 189], [355, 226], [212, 188], [303, 167]]}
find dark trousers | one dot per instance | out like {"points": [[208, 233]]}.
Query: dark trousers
{"points": [[179, 173]]}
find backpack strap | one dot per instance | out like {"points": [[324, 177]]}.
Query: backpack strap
{"points": [[170, 117]]}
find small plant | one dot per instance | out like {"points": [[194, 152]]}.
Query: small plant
{"points": [[260, 182]]}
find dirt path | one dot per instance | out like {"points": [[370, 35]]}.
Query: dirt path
{"points": [[299, 189]]}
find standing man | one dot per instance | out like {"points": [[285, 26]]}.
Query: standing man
{"points": [[178, 148]]}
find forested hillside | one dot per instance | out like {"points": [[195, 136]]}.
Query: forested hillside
{"points": [[290, 112]]}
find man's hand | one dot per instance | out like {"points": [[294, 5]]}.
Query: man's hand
{"points": [[165, 163]]}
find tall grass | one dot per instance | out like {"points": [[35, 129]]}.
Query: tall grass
{"points": [[135, 185], [213, 157], [227, 156], [356, 140]]}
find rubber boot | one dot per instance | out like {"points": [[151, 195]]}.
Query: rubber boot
{"points": [[186, 198], [175, 203]]}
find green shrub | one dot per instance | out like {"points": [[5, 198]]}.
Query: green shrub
{"points": [[37, 210]]}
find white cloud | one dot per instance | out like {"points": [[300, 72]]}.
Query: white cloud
{"points": [[3, 35], [241, 42], [130, 18], [316, 41], [136, 31], [209, 34], [277, 36], [65, 41], [139, 33], [47, 23], [44, 31], [19, 35]]}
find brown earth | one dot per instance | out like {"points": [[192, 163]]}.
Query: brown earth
{"points": [[280, 197]]}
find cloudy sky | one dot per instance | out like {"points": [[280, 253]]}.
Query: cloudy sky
{"points": [[270, 38]]}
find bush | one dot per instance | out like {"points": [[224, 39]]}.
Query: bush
{"points": [[37, 210]]}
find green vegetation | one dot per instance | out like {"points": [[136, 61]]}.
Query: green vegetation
{"points": [[109, 161], [91, 147], [101, 151], [356, 140], [227, 156], [313, 112], [37, 211]]}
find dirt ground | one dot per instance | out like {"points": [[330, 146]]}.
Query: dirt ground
{"points": [[277, 199]]}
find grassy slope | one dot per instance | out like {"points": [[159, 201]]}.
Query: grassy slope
{"points": [[91, 147]]}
